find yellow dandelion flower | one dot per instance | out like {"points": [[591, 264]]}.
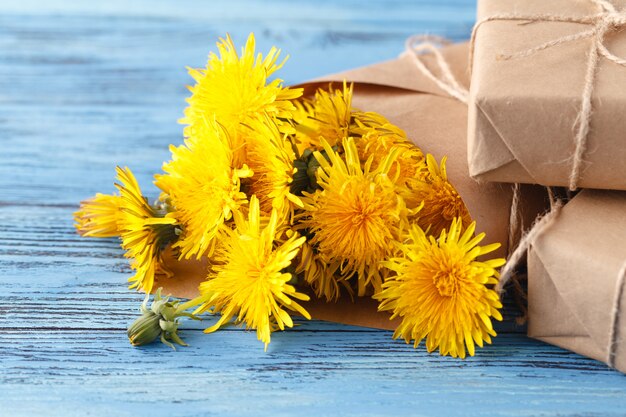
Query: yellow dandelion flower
{"points": [[303, 110], [145, 231], [271, 158], [356, 216], [376, 141], [98, 216], [329, 117], [442, 203], [300, 116], [364, 121], [321, 275], [234, 89], [441, 292], [248, 281], [203, 188]]}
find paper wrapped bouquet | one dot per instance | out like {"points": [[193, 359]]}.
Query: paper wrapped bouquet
{"points": [[388, 196], [302, 200]]}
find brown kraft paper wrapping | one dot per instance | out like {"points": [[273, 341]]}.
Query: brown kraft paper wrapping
{"points": [[436, 123], [523, 111], [573, 270]]}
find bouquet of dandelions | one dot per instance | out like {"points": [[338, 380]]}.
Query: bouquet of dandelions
{"points": [[284, 194]]}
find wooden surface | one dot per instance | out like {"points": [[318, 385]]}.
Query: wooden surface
{"points": [[85, 86]]}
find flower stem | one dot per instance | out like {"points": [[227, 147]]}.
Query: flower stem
{"points": [[189, 304]]}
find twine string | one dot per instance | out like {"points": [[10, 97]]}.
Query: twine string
{"points": [[514, 216], [614, 329], [541, 224], [419, 44]]}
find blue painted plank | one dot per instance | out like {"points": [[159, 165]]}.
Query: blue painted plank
{"points": [[305, 372]]}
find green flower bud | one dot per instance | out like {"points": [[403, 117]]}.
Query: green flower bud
{"points": [[305, 178], [145, 329], [160, 320], [301, 179]]}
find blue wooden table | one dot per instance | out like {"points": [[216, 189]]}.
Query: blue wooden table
{"points": [[88, 85]]}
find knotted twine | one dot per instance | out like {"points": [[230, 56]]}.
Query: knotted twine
{"points": [[609, 19], [419, 44]]}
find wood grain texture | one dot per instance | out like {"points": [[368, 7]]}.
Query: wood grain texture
{"points": [[305, 372], [85, 86]]}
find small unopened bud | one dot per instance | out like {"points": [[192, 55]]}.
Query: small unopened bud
{"points": [[160, 320], [301, 181], [305, 177], [145, 329]]}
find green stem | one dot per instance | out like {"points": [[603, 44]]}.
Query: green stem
{"points": [[189, 304]]}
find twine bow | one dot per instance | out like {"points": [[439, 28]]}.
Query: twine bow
{"points": [[418, 44], [607, 20]]}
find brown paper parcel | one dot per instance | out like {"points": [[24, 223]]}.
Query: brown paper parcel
{"points": [[524, 111], [573, 269], [434, 121]]}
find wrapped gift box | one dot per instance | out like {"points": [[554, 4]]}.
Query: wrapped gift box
{"points": [[576, 294], [524, 110]]}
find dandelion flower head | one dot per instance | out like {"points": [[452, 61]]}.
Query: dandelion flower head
{"points": [[270, 156], [204, 188], [441, 292], [442, 203], [234, 89], [98, 216], [145, 231], [248, 282], [356, 215]]}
